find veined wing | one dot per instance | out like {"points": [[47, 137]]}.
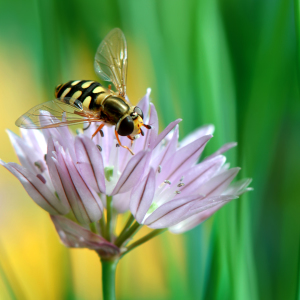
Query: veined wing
{"points": [[111, 60], [55, 113]]}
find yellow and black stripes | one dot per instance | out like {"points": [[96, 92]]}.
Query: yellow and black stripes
{"points": [[85, 91]]}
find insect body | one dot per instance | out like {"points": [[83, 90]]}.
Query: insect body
{"points": [[81, 101]]}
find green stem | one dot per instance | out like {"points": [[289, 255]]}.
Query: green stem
{"points": [[127, 234], [109, 218], [297, 27], [93, 227], [127, 225], [102, 226], [108, 278], [144, 239]]}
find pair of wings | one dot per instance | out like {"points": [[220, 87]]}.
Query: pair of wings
{"points": [[110, 65]]}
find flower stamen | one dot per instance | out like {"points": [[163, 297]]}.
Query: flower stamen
{"points": [[159, 169], [39, 164], [41, 178]]}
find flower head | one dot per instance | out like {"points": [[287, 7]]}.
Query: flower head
{"points": [[76, 178]]}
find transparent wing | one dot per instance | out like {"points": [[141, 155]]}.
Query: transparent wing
{"points": [[111, 60], [55, 113]]}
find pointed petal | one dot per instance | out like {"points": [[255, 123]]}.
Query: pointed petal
{"points": [[125, 155], [153, 122], [145, 142], [35, 139], [163, 134], [218, 184], [183, 186], [27, 155], [207, 207], [90, 163], [194, 220], [198, 133], [121, 202], [55, 175], [200, 174], [223, 149], [239, 187], [183, 159], [144, 103], [168, 151], [74, 236], [142, 196], [36, 189], [208, 203], [132, 173], [171, 212], [69, 187], [60, 134], [89, 198]]}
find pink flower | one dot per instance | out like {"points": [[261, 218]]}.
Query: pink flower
{"points": [[163, 185]]}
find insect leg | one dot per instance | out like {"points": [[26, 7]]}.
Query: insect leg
{"points": [[117, 136], [98, 129], [132, 139]]}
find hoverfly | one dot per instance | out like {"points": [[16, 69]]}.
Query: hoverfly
{"points": [[80, 101]]}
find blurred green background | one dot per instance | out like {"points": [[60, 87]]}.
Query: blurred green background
{"points": [[227, 62]]}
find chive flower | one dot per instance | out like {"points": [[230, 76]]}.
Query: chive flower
{"points": [[85, 183]]}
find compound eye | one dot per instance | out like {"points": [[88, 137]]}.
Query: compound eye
{"points": [[126, 126], [139, 112]]}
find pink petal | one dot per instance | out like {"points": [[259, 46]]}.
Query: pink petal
{"points": [[153, 122], [168, 151], [198, 133], [35, 139], [223, 149], [201, 211], [124, 154], [218, 184], [27, 155], [132, 173], [183, 159], [55, 175], [209, 202], [36, 189], [239, 187], [121, 202], [163, 134], [144, 142], [89, 198], [142, 196], [74, 236], [69, 187], [194, 220], [61, 134], [171, 212], [90, 163], [144, 103], [200, 174]]}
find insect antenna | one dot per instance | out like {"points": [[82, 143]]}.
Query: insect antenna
{"points": [[147, 126]]}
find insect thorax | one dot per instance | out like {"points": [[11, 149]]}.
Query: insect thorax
{"points": [[113, 109]]}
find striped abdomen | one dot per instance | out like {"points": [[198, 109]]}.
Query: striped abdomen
{"points": [[85, 91]]}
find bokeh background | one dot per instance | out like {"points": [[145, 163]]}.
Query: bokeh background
{"points": [[227, 62]]}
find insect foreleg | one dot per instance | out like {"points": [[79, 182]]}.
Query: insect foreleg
{"points": [[117, 136], [99, 129]]}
